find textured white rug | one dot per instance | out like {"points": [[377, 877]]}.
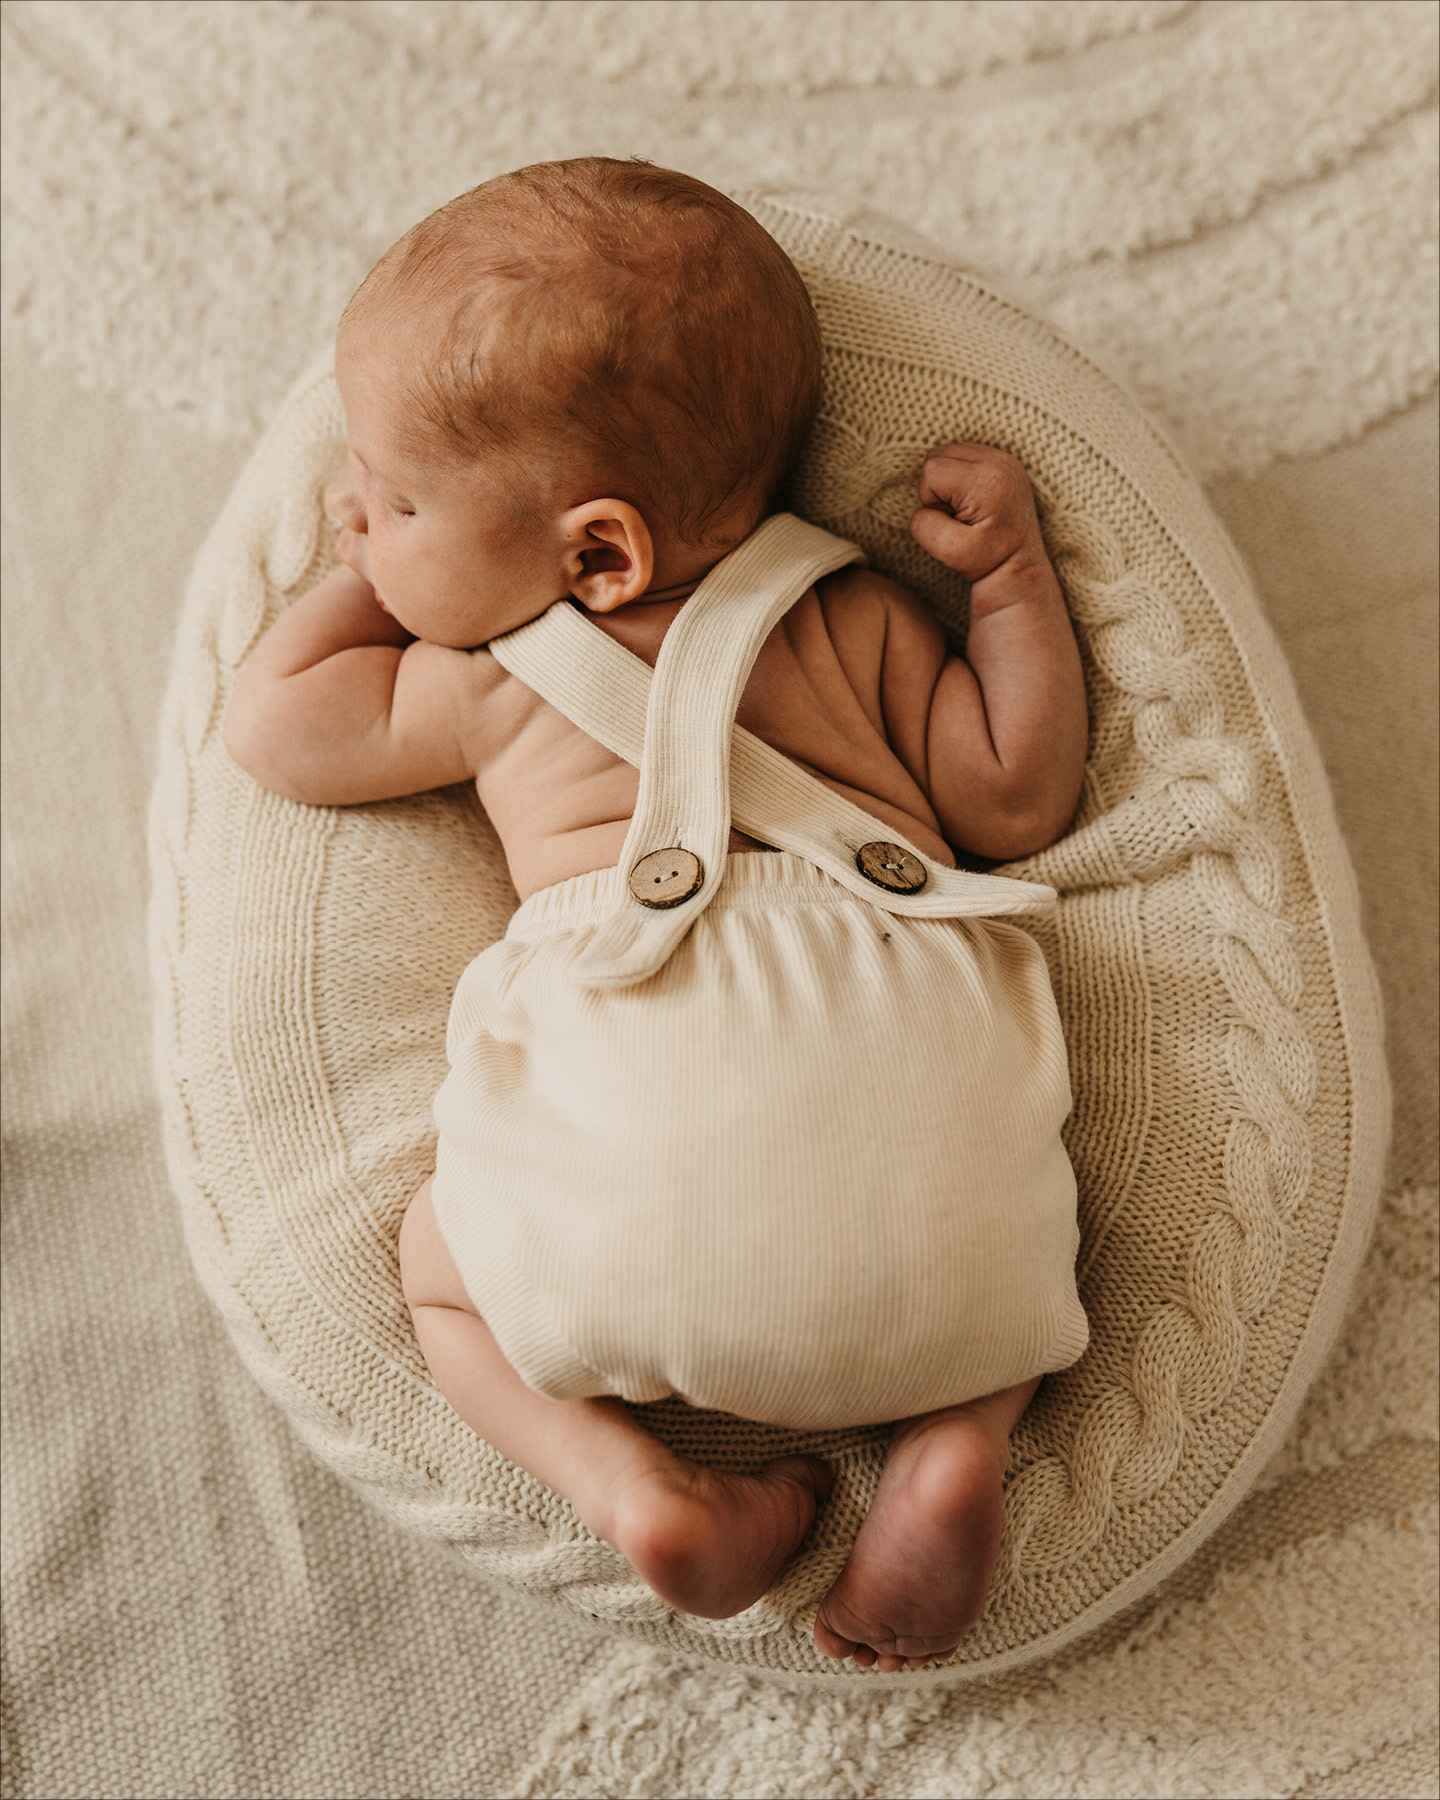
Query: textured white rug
{"points": [[1232, 205]]}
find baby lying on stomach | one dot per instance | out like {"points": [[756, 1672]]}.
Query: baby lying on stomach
{"points": [[758, 1102]]}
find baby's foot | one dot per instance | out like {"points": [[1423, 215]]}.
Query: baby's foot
{"points": [[922, 1561], [712, 1543]]}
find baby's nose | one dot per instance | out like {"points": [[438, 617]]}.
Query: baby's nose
{"points": [[342, 502]]}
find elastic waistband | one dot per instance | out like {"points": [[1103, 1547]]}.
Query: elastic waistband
{"points": [[753, 878]]}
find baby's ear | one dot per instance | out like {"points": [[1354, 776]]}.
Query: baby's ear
{"points": [[609, 555]]}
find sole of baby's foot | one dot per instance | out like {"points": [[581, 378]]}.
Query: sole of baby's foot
{"points": [[710, 1542], [921, 1565]]}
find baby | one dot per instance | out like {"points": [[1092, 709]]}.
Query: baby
{"points": [[757, 1102]]}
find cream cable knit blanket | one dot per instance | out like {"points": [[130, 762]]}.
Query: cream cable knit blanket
{"points": [[1231, 1109], [1222, 201]]}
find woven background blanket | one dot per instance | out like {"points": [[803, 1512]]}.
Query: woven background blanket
{"points": [[1232, 206]]}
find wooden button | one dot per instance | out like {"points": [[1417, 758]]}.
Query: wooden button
{"points": [[666, 877], [888, 866]]}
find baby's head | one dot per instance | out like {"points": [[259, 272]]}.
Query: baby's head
{"points": [[583, 378]]}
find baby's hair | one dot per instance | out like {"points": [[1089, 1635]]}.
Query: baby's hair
{"points": [[623, 317]]}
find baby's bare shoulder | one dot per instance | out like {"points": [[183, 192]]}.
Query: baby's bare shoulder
{"points": [[879, 629], [859, 589], [496, 705], [862, 598]]}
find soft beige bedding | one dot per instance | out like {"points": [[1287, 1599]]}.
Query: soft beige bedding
{"points": [[195, 1608]]}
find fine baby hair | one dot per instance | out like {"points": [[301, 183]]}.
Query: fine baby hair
{"points": [[625, 325]]}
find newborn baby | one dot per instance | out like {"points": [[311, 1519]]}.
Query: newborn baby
{"points": [[758, 1101]]}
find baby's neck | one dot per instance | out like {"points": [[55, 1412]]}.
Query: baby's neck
{"points": [[679, 591], [680, 568]]}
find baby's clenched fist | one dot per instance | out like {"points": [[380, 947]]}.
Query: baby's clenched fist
{"points": [[977, 516]]}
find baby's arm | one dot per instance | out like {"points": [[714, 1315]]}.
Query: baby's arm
{"points": [[1006, 733], [338, 703]]}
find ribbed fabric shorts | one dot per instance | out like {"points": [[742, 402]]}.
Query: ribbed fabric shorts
{"points": [[810, 1172]]}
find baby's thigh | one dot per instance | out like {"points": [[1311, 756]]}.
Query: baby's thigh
{"points": [[428, 1274]]}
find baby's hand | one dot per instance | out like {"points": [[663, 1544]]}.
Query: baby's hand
{"points": [[977, 516]]}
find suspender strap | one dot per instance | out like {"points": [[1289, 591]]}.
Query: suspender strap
{"points": [[698, 770]]}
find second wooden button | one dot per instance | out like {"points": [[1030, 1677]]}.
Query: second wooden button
{"points": [[888, 866], [666, 877]]}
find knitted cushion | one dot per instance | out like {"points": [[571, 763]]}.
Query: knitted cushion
{"points": [[1222, 1021]]}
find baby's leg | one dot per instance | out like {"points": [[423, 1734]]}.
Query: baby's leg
{"points": [[708, 1543], [921, 1564]]}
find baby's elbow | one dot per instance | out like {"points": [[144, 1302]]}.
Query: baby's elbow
{"points": [[1006, 841], [1012, 832], [252, 741]]}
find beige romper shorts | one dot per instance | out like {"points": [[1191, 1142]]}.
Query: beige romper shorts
{"points": [[787, 1143]]}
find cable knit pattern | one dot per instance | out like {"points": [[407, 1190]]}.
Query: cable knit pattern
{"points": [[1191, 1352], [1222, 1025]]}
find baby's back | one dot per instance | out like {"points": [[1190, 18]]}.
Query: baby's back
{"points": [[841, 686]]}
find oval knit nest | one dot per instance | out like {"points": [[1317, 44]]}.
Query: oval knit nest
{"points": [[1221, 1015]]}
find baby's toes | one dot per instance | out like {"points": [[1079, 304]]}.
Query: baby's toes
{"points": [[830, 1643]]}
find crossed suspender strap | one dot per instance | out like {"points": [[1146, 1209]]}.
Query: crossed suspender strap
{"points": [[699, 771]]}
